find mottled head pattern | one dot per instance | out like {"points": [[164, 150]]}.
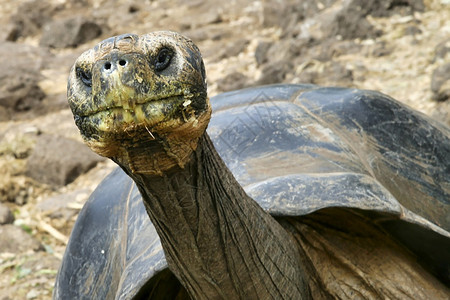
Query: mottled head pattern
{"points": [[141, 100]]}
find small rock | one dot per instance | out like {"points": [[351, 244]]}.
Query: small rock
{"points": [[261, 52], [441, 112], [336, 74], [233, 49], [349, 23], [332, 48], [29, 19], [386, 8], [412, 30], [134, 8], [16, 189], [274, 72], [18, 141], [307, 77], [442, 50], [231, 82], [272, 12], [69, 32], [14, 239], [440, 83], [381, 49], [288, 50], [19, 78], [61, 206], [199, 34], [216, 33], [332, 73], [286, 14], [58, 161], [202, 19], [6, 216], [9, 32], [33, 294], [212, 17]]}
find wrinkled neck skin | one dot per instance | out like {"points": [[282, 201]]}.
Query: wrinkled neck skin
{"points": [[218, 241]]}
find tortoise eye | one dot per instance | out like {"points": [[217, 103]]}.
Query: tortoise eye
{"points": [[163, 59], [85, 76]]}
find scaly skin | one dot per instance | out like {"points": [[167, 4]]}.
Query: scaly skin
{"points": [[135, 105]]}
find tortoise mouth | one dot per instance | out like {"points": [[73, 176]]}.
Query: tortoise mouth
{"points": [[129, 105], [123, 120]]}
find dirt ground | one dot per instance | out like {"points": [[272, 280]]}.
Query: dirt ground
{"points": [[392, 49]]}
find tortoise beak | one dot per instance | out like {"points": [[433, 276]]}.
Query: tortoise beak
{"points": [[113, 81], [122, 80]]}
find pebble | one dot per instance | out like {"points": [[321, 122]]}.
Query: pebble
{"points": [[6, 216]]}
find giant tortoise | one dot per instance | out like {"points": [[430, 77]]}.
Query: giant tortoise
{"points": [[292, 192]]}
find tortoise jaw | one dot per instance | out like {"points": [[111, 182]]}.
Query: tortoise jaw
{"points": [[150, 138], [130, 103], [107, 120], [120, 122]]}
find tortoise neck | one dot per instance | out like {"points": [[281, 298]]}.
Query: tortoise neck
{"points": [[217, 240]]}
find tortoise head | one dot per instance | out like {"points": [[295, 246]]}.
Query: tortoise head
{"points": [[141, 100]]}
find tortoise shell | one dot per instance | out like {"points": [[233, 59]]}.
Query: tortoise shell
{"points": [[296, 149]]}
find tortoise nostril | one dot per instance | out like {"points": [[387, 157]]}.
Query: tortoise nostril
{"points": [[108, 66], [122, 62]]}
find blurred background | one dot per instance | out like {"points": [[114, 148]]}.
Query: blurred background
{"points": [[399, 47]]}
